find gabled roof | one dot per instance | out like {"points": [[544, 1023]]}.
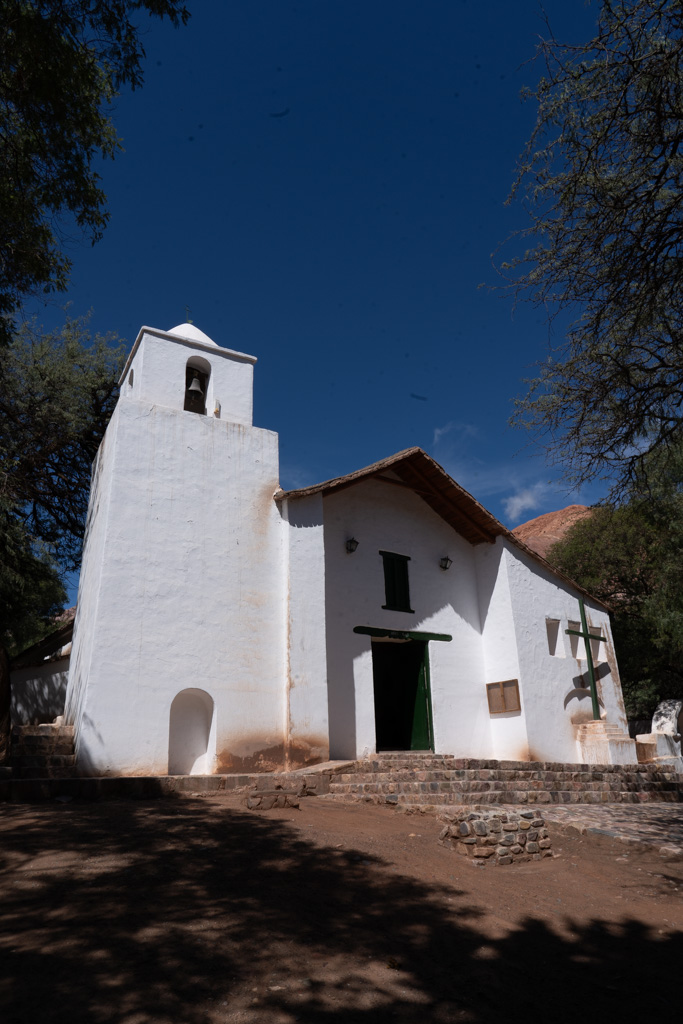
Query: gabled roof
{"points": [[414, 469]]}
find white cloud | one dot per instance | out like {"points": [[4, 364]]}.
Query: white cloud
{"points": [[526, 499], [509, 487], [462, 429]]}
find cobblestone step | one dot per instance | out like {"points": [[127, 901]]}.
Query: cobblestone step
{"points": [[559, 780], [520, 797], [379, 764], [428, 780], [42, 752], [46, 771], [511, 792], [38, 760], [569, 776], [49, 766], [37, 745], [46, 729]]}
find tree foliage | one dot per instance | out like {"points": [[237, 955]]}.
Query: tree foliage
{"points": [[61, 63], [602, 176], [31, 588], [631, 557], [57, 393]]}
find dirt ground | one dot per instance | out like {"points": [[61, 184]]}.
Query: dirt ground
{"points": [[197, 911]]}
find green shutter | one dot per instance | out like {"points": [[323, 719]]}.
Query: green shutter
{"points": [[396, 589]]}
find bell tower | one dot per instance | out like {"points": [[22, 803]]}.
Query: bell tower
{"points": [[179, 651], [183, 369]]}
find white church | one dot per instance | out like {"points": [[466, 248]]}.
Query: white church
{"points": [[226, 625]]}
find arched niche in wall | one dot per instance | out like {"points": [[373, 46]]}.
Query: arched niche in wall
{"points": [[197, 377], [191, 733]]}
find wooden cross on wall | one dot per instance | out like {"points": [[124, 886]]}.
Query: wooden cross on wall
{"points": [[587, 637]]}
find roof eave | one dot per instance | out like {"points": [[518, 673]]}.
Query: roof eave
{"points": [[481, 520]]}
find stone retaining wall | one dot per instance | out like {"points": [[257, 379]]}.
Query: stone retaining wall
{"points": [[124, 787], [492, 838]]}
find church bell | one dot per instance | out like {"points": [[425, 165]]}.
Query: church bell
{"points": [[194, 396]]}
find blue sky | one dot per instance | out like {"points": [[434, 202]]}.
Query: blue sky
{"points": [[322, 184]]}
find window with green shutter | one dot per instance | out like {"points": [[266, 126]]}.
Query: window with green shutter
{"points": [[396, 588]]}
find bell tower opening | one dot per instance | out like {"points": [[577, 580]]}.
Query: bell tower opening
{"points": [[197, 374]]}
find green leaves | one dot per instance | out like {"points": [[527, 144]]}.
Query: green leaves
{"points": [[603, 178], [61, 63], [31, 591], [57, 393]]}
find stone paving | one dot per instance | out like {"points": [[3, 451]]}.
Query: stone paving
{"points": [[659, 825]]}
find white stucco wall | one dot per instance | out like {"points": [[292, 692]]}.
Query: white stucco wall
{"points": [[183, 587], [386, 517], [555, 687], [501, 661], [306, 684], [38, 692], [86, 622]]}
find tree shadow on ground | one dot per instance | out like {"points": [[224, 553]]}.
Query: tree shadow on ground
{"points": [[175, 912]]}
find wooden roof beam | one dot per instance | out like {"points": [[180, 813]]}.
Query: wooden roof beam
{"points": [[479, 530]]}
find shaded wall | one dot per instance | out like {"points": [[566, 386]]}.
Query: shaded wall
{"points": [[555, 685], [306, 683], [39, 692]]}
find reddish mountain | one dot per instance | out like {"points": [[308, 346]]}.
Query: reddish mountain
{"points": [[542, 532]]}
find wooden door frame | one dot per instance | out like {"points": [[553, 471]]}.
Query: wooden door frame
{"points": [[381, 632], [422, 682]]}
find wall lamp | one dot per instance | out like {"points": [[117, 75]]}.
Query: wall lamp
{"points": [[351, 545], [445, 562]]}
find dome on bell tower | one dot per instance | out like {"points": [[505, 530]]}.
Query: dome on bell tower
{"points": [[191, 333]]}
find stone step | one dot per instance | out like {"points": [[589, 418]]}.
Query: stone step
{"points": [[477, 764], [46, 771], [44, 729], [31, 734], [425, 781], [418, 789], [39, 746], [421, 764], [43, 760], [35, 790], [43, 752], [395, 759], [512, 797], [653, 774]]}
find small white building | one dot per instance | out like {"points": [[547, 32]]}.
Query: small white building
{"points": [[39, 675], [226, 625]]}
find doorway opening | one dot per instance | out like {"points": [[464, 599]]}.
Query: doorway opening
{"points": [[400, 674]]}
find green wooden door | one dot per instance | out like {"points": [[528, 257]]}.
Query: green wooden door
{"points": [[401, 689], [421, 735]]}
